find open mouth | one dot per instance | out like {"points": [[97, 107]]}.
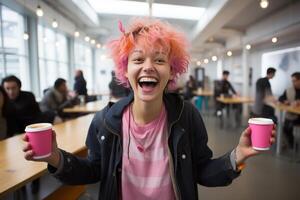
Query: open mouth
{"points": [[147, 82]]}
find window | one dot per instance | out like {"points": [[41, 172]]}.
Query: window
{"points": [[53, 57], [13, 48], [83, 61]]}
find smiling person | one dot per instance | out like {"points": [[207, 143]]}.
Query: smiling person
{"points": [[152, 144]]}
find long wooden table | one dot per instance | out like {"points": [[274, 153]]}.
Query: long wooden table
{"points": [[90, 107], [283, 108], [15, 171]]}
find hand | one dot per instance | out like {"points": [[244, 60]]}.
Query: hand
{"points": [[244, 149], [53, 159]]}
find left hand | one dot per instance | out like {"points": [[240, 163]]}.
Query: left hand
{"points": [[244, 149]]}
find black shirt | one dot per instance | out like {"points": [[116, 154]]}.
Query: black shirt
{"points": [[80, 86], [27, 110], [263, 89]]}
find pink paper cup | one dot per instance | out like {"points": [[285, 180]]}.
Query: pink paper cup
{"points": [[40, 139], [261, 131]]}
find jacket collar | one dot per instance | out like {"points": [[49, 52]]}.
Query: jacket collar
{"points": [[113, 117]]}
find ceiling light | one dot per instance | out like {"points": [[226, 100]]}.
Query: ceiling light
{"points": [[229, 53], [98, 45], [39, 11], [87, 38], [274, 39], [206, 61], [142, 9], [93, 41], [54, 23], [45, 39], [25, 36], [264, 4], [198, 63], [76, 34], [57, 44], [248, 46], [214, 58]]}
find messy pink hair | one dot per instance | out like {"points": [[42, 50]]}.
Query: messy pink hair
{"points": [[149, 32]]}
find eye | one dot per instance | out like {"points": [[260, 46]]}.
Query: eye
{"points": [[160, 61], [138, 60]]}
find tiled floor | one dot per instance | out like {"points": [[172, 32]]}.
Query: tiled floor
{"points": [[265, 177]]}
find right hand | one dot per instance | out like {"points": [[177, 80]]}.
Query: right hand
{"points": [[53, 159]]}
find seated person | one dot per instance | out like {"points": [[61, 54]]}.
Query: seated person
{"points": [[190, 87], [224, 88], [7, 116], [291, 96], [27, 109], [57, 98], [117, 90]]}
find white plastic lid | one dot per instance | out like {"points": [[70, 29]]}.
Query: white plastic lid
{"points": [[38, 127], [263, 121]]}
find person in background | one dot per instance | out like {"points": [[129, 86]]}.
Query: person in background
{"points": [[291, 96], [117, 90], [57, 98], [190, 87], [225, 88], [264, 97], [7, 116], [80, 83], [27, 109], [151, 144]]}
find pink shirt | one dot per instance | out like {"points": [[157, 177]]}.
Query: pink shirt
{"points": [[145, 166]]}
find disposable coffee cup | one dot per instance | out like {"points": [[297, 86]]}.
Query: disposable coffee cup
{"points": [[261, 132], [40, 139]]}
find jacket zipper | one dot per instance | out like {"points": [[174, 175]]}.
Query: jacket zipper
{"points": [[114, 133], [172, 170]]}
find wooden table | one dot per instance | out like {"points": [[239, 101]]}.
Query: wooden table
{"points": [[231, 101], [235, 100], [283, 108], [90, 107], [203, 93], [15, 171]]}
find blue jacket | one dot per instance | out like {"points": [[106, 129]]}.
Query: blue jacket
{"points": [[190, 158]]}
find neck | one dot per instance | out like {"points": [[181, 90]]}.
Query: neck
{"points": [[145, 112]]}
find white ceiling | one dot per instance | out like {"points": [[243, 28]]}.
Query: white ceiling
{"points": [[224, 24]]}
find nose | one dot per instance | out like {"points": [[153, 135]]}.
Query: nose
{"points": [[148, 66]]}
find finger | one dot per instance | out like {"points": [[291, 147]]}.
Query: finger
{"points": [[26, 147], [247, 132], [272, 140], [29, 155], [25, 138]]}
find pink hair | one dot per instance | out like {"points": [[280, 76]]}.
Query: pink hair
{"points": [[149, 32]]}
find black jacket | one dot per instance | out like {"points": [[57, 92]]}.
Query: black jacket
{"points": [[80, 86], [27, 110], [190, 158]]}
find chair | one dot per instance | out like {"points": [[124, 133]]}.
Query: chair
{"points": [[296, 134]]}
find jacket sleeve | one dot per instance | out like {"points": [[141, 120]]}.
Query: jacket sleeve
{"points": [[74, 170], [210, 172]]}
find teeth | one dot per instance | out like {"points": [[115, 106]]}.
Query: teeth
{"points": [[148, 79]]}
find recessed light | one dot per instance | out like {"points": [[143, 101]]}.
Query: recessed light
{"points": [[274, 39]]}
